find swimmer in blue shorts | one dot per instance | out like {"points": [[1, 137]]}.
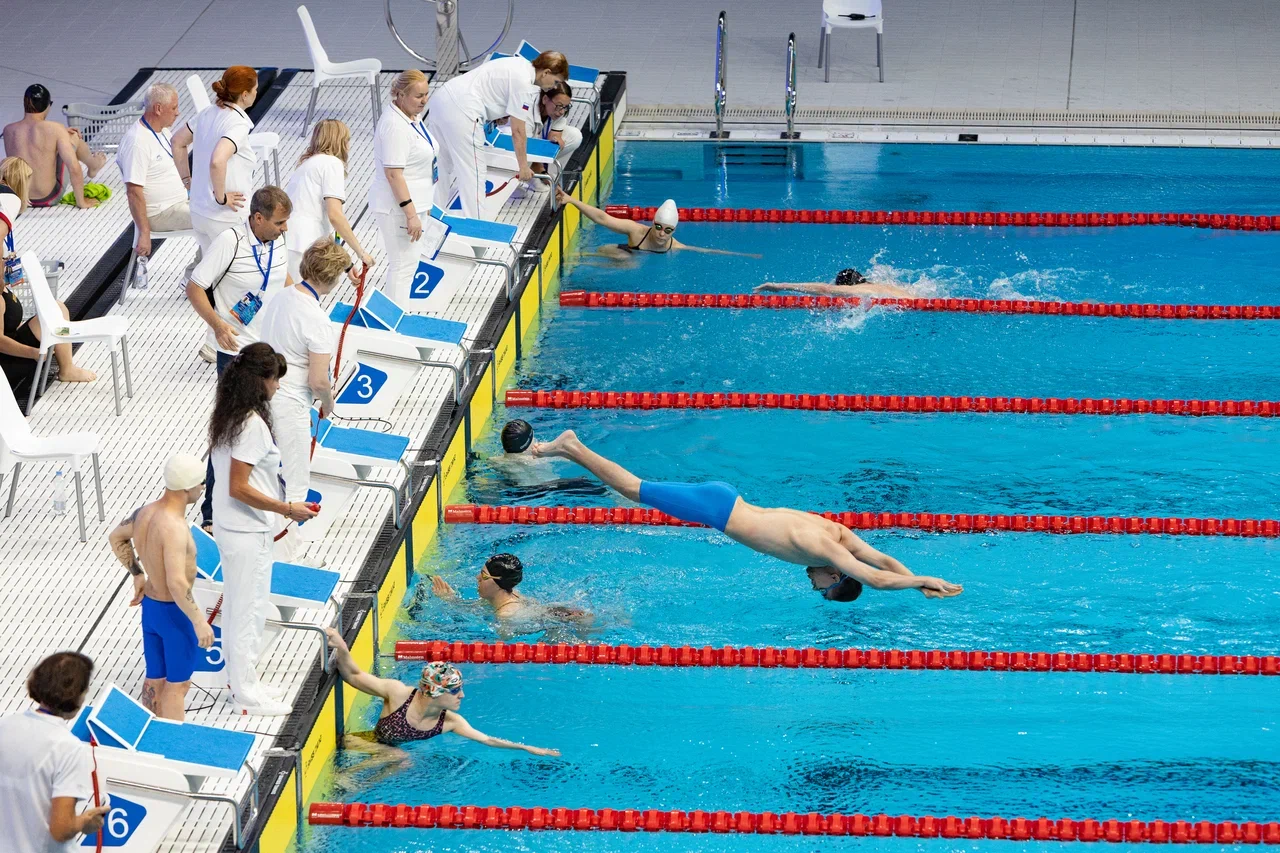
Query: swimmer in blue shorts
{"points": [[174, 628], [839, 562]]}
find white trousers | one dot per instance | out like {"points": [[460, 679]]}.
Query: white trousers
{"points": [[402, 255], [460, 153], [295, 266], [291, 423], [207, 229], [246, 590], [570, 139]]}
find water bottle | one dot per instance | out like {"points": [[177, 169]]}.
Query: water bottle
{"points": [[59, 493], [140, 274]]}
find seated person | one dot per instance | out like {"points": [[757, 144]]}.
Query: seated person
{"points": [[552, 123], [496, 585], [849, 282], [831, 551], [656, 239], [57, 154], [157, 195]]}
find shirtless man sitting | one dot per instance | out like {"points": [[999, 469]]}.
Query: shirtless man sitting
{"points": [[496, 585], [174, 628], [839, 562], [54, 151]]}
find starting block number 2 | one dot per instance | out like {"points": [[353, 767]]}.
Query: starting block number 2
{"points": [[425, 279]]}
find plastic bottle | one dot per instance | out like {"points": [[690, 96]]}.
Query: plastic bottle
{"points": [[140, 274], [59, 493]]}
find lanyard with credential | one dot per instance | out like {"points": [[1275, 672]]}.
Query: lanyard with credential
{"points": [[266, 273], [164, 146], [310, 290]]}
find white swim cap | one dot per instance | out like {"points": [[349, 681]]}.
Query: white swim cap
{"points": [[667, 214], [183, 471]]}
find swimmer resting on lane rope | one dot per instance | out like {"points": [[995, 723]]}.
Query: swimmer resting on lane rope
{"points": [[412, 713], [849, 282], [839, 563], [656, 239]]}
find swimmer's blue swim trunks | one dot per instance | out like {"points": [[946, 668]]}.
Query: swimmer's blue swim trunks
{"points": [[169, 642], [703, 503]]}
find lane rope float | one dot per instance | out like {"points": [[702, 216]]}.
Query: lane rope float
{"points": [[791, 823], [1020, 219], [832, 658], [898, 403], [1052, 308], [937, 522]]}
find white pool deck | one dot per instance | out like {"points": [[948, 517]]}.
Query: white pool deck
{"points": [[55, 587]]}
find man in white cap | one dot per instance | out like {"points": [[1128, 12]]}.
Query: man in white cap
{"points": [[657, 239], [174, 628]]}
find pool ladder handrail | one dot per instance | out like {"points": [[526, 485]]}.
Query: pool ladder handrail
{"points": [[722, 73], [789, 106]]}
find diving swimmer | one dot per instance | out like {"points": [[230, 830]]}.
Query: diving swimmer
{"points": [[848, 282], [839, 562], [656, 239]]}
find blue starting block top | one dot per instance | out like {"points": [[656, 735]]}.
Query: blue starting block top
{"points": [[578, 74], [385, 446], [382, 313], [534, 146], [477, 229], [288, 580]]}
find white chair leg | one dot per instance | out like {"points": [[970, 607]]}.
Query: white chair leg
{"points": [[48, 370], [377, 105], [128, 276], [275, 159], [80, 506], [35, 383], [880, 55], [311, 110], [128, 375], [97, 484], [13, 490], [115, 381], [822, 43], [827, 76]]}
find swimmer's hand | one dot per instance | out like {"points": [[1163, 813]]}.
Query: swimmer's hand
{"points": [[139, 584], [767, 287], [204, 634], [938, 588], [335, 639], [537, 750], [440, 588], [562, 197]]}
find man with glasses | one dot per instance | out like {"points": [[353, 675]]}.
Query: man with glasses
{"points": [[656, 239]]}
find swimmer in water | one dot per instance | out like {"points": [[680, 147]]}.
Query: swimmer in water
{"points": [[849, 282], [656, 239], [496, 586], [839, 562], [411, 713], [526, 476]]}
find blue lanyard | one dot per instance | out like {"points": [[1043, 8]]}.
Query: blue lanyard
{"points": [[266, 274], [168, 149], [421, 130], [546, 129], [8, 241], [310, 290]]}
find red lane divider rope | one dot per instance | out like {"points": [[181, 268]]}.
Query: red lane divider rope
{"points": [[1228, 221], [940, 521], [815, 658], [791, 823], [888, 403], [1132, 310]]}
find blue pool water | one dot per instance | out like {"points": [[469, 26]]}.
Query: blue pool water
{"points": [[1087, 745]]}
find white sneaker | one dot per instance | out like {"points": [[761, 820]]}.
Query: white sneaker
{"points": [[208, 353], [273, 692], [269, 708]]}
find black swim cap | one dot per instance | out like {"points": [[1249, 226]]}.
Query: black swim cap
{"points": [[846, 589], [506, 570], [36, 99], [849, 276], [517, 436]]}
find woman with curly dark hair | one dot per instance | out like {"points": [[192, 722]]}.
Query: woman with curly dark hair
{"points": [[246, 495]]}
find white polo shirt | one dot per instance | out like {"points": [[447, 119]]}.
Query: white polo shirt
{"points": [[295, 325], [500, 87], [209, 127], [237, 263], [39, 760], [254, 446], [400, 143], [319, 177], [145, 157]]}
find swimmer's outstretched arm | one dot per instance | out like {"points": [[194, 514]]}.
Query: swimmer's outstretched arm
{"points": [[357, 677], [839, 557], [599, 217], [457, 724], [815, 288], [706, 251]]}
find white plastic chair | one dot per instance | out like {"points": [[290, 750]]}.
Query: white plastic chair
{"points": [[264, 144], [18, 445], [132, 269], [832, 12], [55, 329], [325, 70]]}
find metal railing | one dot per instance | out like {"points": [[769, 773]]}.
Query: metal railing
{"points": [[448, 7], [790, 105], [722, 73]]}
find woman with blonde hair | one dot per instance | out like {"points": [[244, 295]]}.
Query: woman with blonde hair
{"points": [[317, 189], [404, 179], [20, 343], [223, 162]]}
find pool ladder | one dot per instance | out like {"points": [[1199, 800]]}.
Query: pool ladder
{"points": [[789, 106], [722, 73]]}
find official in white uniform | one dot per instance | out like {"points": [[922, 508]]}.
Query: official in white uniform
{"points": [[247, 496], [553, 124], [156, 192], [404, 179], [223, 162], [297, 328], [501, 88], [318, 189]]}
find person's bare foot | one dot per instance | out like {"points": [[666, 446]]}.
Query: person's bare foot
{"points": [[561, 445], [95, 163], [76, 374]]}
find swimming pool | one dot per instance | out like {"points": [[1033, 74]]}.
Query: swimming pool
{"points": [[1060, 744]]}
